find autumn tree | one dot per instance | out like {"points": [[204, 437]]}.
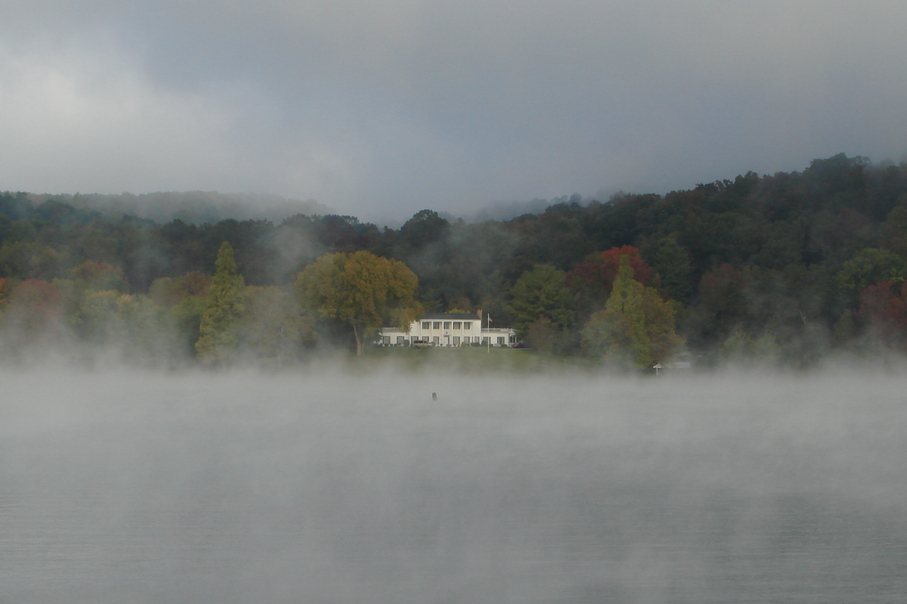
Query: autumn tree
{"points": [[362, 290], [599, 270], [883, 307], [592, 279], [218, 340], [32, 316], [636, 323], [34, 305]]}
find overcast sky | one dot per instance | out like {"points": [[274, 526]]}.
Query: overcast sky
{"points": [[382, 108]]}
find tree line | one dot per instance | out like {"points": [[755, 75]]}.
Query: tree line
{"points": [[785, 268]]}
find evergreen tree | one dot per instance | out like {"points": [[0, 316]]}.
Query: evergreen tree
{"points": [[541, 293], [217, 342]]}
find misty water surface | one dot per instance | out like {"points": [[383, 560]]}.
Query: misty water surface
{"points": [[321, 487]]}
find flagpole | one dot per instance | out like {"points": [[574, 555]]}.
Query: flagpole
{"points": [[488, 317]]}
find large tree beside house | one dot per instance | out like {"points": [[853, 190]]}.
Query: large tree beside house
{"points": [[363, 290]]}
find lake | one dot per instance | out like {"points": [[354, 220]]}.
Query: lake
{"points": [[328, 487]]}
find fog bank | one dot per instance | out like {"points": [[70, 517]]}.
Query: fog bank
{"points": [[322, 486]]}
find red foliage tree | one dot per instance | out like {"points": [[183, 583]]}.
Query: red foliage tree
{"points": [[35, 304], [884, 307], [598, 273]]}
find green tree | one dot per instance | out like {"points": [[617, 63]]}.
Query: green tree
{"points": [[672, 263], [93, 276], [218, 342], [28, 260], [721, 305], [98, 315], [423, 228], [183, 301], [170, 292], [274, 328], [608, 336], [870, 266], [541, 293], [363, 290]]}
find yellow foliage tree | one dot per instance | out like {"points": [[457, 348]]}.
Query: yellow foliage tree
{"points": [[363, 290]]}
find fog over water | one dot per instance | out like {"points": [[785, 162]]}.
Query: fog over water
{"points": [[322, 487]]}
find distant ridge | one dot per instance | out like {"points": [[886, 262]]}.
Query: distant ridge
{"points": [[193, 207], [505, 211]]}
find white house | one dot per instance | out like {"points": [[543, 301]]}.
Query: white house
{"points": [[447, 329]]}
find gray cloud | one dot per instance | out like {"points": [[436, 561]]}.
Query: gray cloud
{"points": [[381, 109]]}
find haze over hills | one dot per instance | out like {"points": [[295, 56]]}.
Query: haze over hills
{"points": [[193, 207], [790, 266], [208, 207], [382, 109]]}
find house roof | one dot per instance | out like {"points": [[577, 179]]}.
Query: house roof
{"points": [[448, 316]]}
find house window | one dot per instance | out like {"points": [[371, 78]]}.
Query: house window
{"points": [[415, 339], [400, 340], [436, 340], [446, 324], [436, 325], [485, 341], [500, 341], [457, 325], [426, 324], [467, 325], [456, 341]]}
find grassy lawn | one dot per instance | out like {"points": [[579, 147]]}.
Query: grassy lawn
{"points": [[473, 359]]}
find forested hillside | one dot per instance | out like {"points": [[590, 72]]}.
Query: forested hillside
{"points": [[786, 268]]}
